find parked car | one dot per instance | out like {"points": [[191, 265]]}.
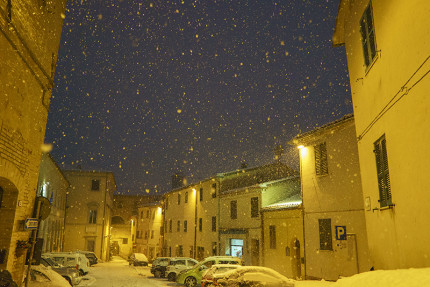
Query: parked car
{"points": [[91, 256], [177, 264], [71, 259], [253, 276], [42, 276], [159, 266], [137, 259], [211, 275], [69, 273], [193, 276]]}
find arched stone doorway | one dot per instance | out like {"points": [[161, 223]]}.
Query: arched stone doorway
{"points": [[8, 200]]}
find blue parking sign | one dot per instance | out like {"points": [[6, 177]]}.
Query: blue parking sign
{"points": [[340, 232]]}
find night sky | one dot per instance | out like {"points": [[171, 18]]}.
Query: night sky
{"points": [[148, 88]]}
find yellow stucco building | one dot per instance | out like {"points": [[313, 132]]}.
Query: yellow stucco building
{"points": [[387, 49], [89, 211], [333, 211], [29, 42]]}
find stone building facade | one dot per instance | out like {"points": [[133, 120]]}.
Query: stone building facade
{"points": [[29, 42]]}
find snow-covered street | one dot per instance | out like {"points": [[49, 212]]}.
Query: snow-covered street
{"points": [[118, 273]]}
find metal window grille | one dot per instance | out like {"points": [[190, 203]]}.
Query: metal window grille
{"points": [[325, 234]]}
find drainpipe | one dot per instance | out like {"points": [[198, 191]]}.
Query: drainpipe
{"points": [[303, 218], [103, 225], [195, 227]]}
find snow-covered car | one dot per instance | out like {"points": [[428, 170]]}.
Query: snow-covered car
{"points": [[210, 277], [137, 259], [253, 276], [42, 276], [159, 266], [177, 264], [69, 273], [91, 256], [71, 259]]}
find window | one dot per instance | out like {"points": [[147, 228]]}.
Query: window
{"points": [[201, 194], [91, 243], [125, 241], [178, 228], [92, 219], [152, 234], [179, 198], [233, 209], [186, 197], [170, 225], [383, 172], [167, 203], [213, 223], [200, 224], [272, 236], [95, 184], [141, 214], [213, 191], [146, 235], [321, 165], [368, 39], [185, 225], [254, 206], [147, 213], [1, 196], [325, 234]]}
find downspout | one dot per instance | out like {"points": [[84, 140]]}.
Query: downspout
{"points": [[103, 225], [303, 218], [262, 237], [219, 216], [195, 227]]}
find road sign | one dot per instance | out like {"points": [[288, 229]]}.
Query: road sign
{"points": [[31, 224], [340, 232]]}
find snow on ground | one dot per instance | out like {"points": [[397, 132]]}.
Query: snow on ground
{"points": [[388, 278], [118, 273]]}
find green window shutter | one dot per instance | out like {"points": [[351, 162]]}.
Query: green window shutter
{"points": [[383, 173]]}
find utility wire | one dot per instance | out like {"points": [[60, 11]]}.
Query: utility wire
{"points": [[390, 104]]}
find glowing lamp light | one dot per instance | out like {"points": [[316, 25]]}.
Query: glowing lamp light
{"points": [[303, 151], [194, 191], [300, 146], [159, 210]]}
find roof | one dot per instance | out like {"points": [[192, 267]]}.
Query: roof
{"points": [[338, 38], [320, 130], [292, 202]]}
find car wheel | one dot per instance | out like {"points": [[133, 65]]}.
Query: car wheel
{"points": [[171, 277], [157, 273], [190, 282]]}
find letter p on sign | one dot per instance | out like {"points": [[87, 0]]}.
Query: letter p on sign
{"points": [[340, 232]]}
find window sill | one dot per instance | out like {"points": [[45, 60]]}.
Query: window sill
{"points": [[368, 68], [390, 206]]}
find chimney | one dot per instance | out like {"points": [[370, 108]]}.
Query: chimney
{"points": [[178, 180]]}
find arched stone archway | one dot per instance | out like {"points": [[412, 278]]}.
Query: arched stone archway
{"points": [[8, 201]]}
